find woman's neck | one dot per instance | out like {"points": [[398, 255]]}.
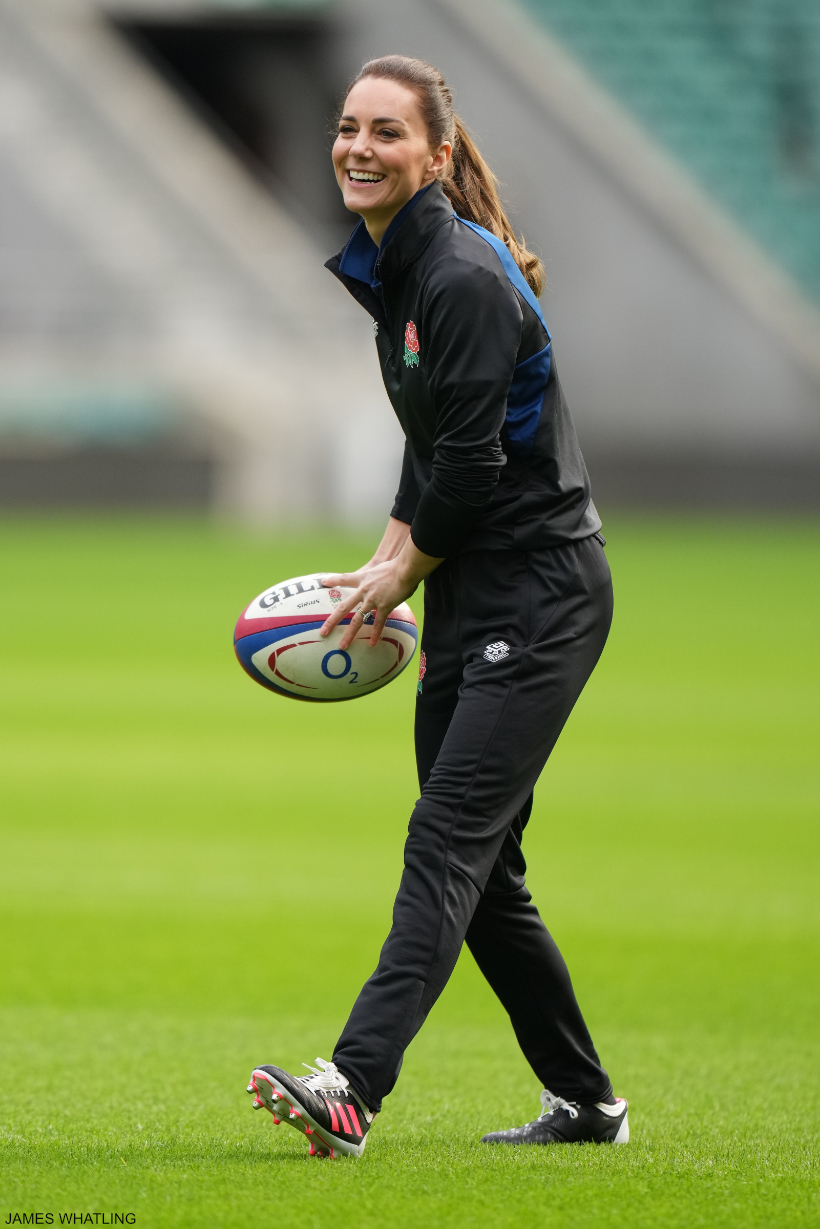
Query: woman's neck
{"points": [[377, 226], [378, 223]]}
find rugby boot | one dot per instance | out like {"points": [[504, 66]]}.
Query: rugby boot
{"points": [[567, 1122], [320, 1105]]}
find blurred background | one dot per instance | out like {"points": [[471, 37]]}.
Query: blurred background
{"points": [[169, 337]]}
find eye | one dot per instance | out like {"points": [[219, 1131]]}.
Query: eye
{"points": [[388, 133], [346, 129]]}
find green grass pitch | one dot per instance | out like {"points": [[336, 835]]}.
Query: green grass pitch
{"points": [[196, 876]]}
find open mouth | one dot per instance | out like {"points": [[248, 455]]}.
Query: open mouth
{"points": [[364, 177]]}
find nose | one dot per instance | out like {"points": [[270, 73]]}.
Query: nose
{"points": [[361, 146]]}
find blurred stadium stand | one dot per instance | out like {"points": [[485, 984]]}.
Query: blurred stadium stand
{"points": [[169, 336], [140, 253], [732, 88]]}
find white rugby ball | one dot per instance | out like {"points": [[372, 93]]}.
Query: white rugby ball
{"points": [[277, 642]]}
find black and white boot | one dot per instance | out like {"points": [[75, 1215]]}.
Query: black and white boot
{"points": [[321, 1105], [567, 1122]]}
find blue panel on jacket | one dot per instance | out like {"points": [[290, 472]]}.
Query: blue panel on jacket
{"points": [[526, 398], [529, 382]]}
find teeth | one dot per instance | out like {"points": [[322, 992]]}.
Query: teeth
{"points": [[366, 176]]}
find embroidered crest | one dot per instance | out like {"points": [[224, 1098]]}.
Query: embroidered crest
{"points": [[422, 669], [497, 651], [411, 345]]}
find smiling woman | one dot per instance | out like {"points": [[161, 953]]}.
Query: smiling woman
{"points": [[383, 153], [494, 513], [433, 144]]}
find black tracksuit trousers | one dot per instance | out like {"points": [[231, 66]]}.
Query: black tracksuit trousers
{"points": [[510, 638]]}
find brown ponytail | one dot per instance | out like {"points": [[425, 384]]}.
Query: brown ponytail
{"points": [[468, 181]]}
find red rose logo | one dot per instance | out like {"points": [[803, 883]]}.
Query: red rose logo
{"points": [[411, 345]]}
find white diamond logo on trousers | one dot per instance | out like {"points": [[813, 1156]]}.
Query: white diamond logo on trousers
{"points": [[497, 651]]}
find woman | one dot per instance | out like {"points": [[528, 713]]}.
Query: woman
{"points": [[494, 513]]}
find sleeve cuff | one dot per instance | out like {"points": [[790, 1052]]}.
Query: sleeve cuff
{"points": [[402, 511], [440, 527]]}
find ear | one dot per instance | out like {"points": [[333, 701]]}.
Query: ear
{"points": [[442, 156]]}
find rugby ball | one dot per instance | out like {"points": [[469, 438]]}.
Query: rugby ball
{"points": [[277, 642]]}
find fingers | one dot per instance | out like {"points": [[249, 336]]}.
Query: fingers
{"points": [[360, 607], [343, 580], [352, 630], [357, 619], [378, 627], [344, 608]]}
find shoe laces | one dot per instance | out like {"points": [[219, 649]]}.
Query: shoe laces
{"points": [[328, 1079], [551, 1103]]}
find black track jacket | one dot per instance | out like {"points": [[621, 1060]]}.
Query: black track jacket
{"points": [[491, 459]]}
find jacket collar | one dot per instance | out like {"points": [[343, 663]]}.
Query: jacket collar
{"points": [[414, 232], [360, 256], [362, 267]]}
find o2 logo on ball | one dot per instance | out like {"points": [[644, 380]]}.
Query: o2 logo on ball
{"points": [[331, 670], [278, 643]]}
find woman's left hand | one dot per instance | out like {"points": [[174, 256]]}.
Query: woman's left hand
{"points": [[378, 591]]}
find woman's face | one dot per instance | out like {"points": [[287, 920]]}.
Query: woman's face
{"points": [[382, 154]]}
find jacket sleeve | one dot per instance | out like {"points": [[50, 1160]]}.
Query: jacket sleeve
{"points": [[408, 494], [471, 332]]}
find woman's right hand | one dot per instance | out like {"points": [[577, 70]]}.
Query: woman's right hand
{"points": [[383, 588]]}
